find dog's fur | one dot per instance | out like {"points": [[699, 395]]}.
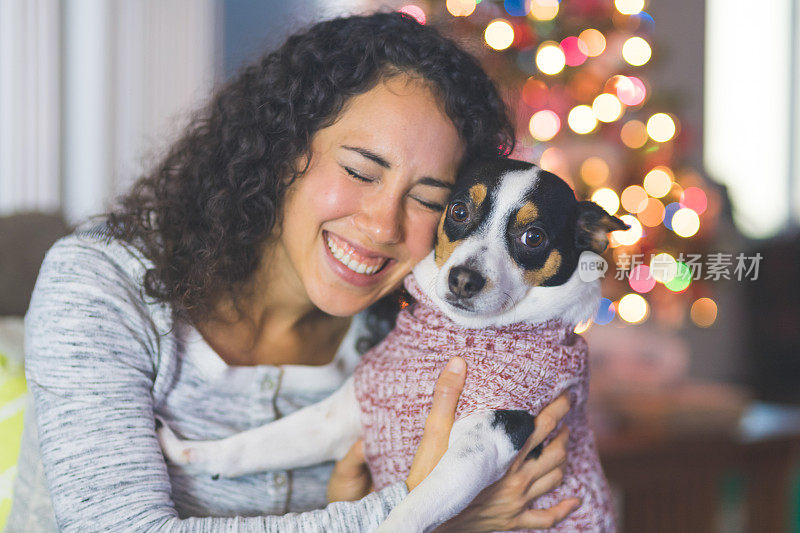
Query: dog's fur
{"points": [[507, 250]]}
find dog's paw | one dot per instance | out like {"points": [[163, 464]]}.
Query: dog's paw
{"points": [[176, 450]]}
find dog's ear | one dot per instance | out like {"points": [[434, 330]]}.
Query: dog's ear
{"points": [[592, 226]]}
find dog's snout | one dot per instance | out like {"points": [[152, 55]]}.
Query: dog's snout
{"points": [[464, 282]]}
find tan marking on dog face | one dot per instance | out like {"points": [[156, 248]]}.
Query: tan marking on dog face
{"points": [[539, 276], [444, 246], [527, 214], [478, 194]]}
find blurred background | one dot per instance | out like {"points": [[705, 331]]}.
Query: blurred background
{"points": [[682, 117]]}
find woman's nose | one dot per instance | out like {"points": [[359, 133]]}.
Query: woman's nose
{"points": [[380, 219]]}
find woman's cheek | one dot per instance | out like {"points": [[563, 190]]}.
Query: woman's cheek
{"points": [[422, 241]]}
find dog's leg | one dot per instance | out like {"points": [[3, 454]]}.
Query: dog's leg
{"points": [[482, 446], [317, 433]]}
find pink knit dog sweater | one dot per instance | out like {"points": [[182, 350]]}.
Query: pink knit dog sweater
{"points": [[521, 366]]}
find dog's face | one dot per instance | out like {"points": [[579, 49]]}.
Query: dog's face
{"points": [[508, 246]]}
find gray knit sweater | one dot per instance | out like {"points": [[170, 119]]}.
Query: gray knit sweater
{"points": [[101, 360]]}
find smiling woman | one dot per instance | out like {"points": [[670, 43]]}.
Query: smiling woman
{"points": [[218, 294]]}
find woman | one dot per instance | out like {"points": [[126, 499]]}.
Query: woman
{"points": [[212, 297]]}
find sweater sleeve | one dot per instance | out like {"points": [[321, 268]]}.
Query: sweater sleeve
{"points": [[91, 365]]}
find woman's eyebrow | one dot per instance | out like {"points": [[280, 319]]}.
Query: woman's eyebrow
{"points": [[372, 156]]}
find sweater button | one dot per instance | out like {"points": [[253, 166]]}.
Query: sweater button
{"points": [[280, 479], [268, 383]]}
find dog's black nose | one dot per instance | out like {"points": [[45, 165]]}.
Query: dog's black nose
{"points": [[465, 283]]}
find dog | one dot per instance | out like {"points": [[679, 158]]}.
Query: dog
{"points": [[503, 289]]}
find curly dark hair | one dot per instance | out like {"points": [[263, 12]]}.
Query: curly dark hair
{"points": [[204, 213]]}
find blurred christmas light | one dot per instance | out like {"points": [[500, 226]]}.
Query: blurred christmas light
{"points": [[550, 58], [516, 8], [414, 11], [682, 279], [634, 199], [633, 134], [658, 182], [461, 8], [594, 171], [534, 92], [581, 119], [669, 212], [553, 160], [607, 107], [704, 312], [605, 312], [607, 199], [636, 51], [629, 7], [663, 267], [631, 235], [633, 308], [499, 34], [640, 279], [575, 51], [544, 125], [543, 9], [630, 89], [594, 40], [695, 199], [685, 222], [652, 214], [661, 127]]}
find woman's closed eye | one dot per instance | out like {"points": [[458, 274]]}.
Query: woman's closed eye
{"points": [[433, 206], [358, 176]]}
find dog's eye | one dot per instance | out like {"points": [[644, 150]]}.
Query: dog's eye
{"points": [[458, 211], [532, 238]]}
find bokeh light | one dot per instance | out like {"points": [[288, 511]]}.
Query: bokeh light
{"points": [[661, 127], [636, 51], [630, 90], [633, 308], [631, 235], [595, 41], [594, 171], [544, 125], [669, 212], [553, 160], [543, 9], [704, 312], [652, 214], [695, 199], [575, 51], [607, 199], [535, 92], [461, 8], [414, 11], [499, 34], [550, 58], [658, 182], [682, 279], [633, 134], [607, 107], [629, 7], [582, 327], [640, 279], [663, 267], [605, 312], [516, 8], [685, 222], [581, 119], [633, 198]]}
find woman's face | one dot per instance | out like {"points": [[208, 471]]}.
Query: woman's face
{"points": [[366, 210]]}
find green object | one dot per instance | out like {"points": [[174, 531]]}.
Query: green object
{"points": [[13, 392]]}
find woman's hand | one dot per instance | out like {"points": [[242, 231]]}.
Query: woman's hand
{"points": [[350, 479], [503, 505]]}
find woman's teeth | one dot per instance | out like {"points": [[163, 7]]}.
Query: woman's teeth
{"points": [[348, 259]]}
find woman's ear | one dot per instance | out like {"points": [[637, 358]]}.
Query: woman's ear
{"points": [[592, 226]]}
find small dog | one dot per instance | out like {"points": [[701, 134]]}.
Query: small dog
{"points": [[502, 288]]}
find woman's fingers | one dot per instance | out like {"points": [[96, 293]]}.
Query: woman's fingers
{"points": [[350, 479], [439, 422], [553, 456], [546, 518], [544, 424]]}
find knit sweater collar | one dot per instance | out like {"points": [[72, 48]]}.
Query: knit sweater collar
{"points": [[425, 309]]}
